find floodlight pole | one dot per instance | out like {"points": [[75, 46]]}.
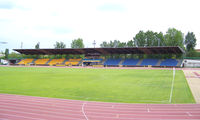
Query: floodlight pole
{"points": [[94, 43]]}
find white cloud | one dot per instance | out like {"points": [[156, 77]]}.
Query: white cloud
{"points": [[47, 21]]}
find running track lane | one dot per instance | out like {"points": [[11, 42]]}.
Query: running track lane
{"points": [[18, 107]]}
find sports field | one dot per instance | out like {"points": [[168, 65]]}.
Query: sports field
{"points": [[108, 85]]}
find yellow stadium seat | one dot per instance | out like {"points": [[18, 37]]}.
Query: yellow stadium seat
{"points": [[41, 61], [25, 61], [73, 62], [56, 61]]}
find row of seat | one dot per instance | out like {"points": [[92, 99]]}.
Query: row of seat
{"points": [[144, 62], [111, 62], [49, 61]]}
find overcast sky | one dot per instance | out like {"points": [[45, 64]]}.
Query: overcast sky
{"points": [[48, 21]]}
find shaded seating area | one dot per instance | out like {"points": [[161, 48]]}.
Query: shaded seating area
{"points": [[73, 62], [113, 62], [41, 61], [130, 62], [151, 62], [169, 62], [25, 61], [56, 61]]}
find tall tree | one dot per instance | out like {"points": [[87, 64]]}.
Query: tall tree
{"points": [[6, 53], [151, 38], [190, 41], [104, 44], [122, 45], [160, 39], [77, 43], [59, 45], [140, 39], [130, 43], [174, 37], [37, 46]]}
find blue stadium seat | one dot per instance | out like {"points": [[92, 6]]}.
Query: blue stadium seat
{"points": [[152, 62], [130, 62], [169, 62], [93, 59], [112, 62]]}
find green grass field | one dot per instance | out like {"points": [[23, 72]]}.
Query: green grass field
{"points": [[108, 85]]}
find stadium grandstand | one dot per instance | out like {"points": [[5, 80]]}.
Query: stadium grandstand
{"points": [[93, 56]]}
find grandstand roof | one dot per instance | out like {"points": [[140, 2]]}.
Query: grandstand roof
{"points": [[103, 51]]}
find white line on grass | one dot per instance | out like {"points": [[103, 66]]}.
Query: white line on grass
{"points": [[84, 111], [172, 87]]}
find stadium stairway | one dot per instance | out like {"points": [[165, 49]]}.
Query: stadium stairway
{"points": [[33, 62], [159, 61], [19, 61], [103, 61], [121, 62], [65, 61], [48, 61], [179, 63], [139, 63], [80, 62]]}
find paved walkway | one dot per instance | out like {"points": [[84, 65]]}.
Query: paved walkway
{"points": [[193, 79]]}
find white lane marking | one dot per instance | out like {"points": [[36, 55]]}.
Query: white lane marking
{"points": [[84, 111], [29, 113], [188, 113], [148, 110], [20, 116], [172, 87]]}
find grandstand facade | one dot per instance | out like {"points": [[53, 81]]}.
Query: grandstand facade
{"points": [[93, 57]]}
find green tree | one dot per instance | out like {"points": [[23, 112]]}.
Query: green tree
{"points": [[77, 43], [130, 43], [6, 53], [174, 37], [140, 39], [104, 44], [15, 55], [122, 45], [160, 39], [59, 45], [151, 39], [37, 46], [190, 41]]}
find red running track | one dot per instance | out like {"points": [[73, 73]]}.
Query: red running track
{"points": [[18, 107]]}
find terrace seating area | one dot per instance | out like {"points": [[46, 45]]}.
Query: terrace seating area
{"points": [[25, 61], [107, 62], [113, 62], [56, 61], [151, 62], [73, 62], [169, 62], [41, 61], [130, 62]]}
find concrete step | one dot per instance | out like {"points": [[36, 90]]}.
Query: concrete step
{"points": [[103, 61], [179, 62], [159, 62], [139, 62], [64, 61], [34, 61], [48, 61], [120, 63]]}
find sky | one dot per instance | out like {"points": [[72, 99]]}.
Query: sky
{"points": [[48, 21]]}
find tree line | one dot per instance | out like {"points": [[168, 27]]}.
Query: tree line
{"points": [[172, 37]]}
